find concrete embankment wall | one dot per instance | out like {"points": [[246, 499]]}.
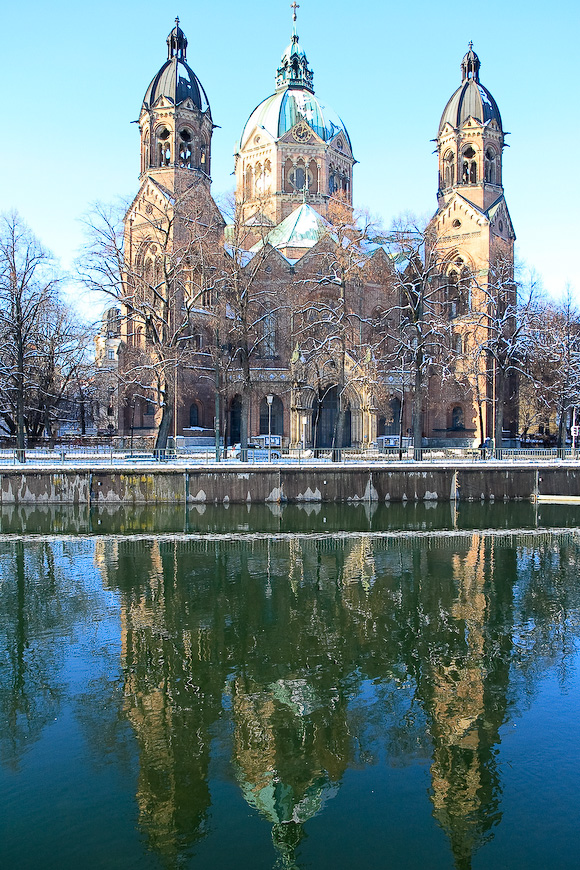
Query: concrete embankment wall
{"points": [[218, 485]]}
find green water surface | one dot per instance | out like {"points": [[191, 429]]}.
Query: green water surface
{"points": [[322, 687]]}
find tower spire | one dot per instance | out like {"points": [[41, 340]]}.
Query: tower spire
{"points": [[177, 43], [294, 70], [470, 65]]}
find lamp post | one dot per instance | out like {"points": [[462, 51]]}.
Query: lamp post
{"points": [[304, 422], [269, 399]]}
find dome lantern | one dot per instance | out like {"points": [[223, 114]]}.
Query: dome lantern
{"points": [[294, 71], [177, 43], [470, 65]]}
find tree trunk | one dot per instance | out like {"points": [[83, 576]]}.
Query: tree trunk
{"points": [[500, 382], [418, 414], [562, 426], [164, 430], [20, 416], [245, 410]]}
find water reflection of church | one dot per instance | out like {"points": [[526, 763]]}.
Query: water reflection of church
{"points": [[278, 638]]}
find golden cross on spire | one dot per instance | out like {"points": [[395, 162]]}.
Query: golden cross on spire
{"points": [[294, 6]]}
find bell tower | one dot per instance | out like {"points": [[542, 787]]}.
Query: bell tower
{"points": [[175, 122], [474, 235], [470, 140]]}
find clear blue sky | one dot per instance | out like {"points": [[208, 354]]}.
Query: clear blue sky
{"points": [[74, 76]]}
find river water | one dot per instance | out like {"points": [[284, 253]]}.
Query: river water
{"points": [[323, 687]]}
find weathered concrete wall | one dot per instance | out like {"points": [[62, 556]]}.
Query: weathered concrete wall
{"points": [[44, 487], [495, 484], [233, 485], [219, 485], [559, 481], [137, 487]]}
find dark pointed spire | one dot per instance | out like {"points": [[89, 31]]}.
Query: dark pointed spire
{"points": [[177, 43], [470, 65], [294, 71]]}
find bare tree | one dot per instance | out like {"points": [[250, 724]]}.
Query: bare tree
{"points": [[160, 268], [333, 328], [43, 345], [553, 363], [249, 307], [416, 323], [508, 319]]}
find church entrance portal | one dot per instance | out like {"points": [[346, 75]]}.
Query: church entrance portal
{"points": [[324, 427]]}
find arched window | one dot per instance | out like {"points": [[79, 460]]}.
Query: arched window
{"points": [[204, 157], [249, 183], [299, 177], [312, 177], [263, 176], [458, 289], [491, 166], [465, 291], [287, 170], [194, 415], [457, 418], [469, 169], [452, 292], [392, 422], [163, 147], [185, 138], [269, 325], [276, 417], [449, 169], [146, 153]]}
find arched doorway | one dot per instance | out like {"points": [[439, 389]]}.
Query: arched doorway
{"points": [[393, 421], [235, 420], [325, 421], [277, 417]]}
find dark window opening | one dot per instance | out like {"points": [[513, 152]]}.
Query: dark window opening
{"points": [[457, 418]]}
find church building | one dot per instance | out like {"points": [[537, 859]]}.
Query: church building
{"points": [[285, 316]]}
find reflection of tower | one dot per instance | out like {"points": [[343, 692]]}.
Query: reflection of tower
{"points": [[171, 699], [465, 713], [286, 768]]}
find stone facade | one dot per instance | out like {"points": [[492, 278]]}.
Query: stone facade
{"points": [[284, 302]]}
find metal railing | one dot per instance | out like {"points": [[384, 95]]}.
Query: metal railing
{"points": [[109, 455]]}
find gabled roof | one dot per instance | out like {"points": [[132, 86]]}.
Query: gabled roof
{"points": [[303, 228], [499, 205]]}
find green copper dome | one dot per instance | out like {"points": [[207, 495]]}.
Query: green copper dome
{"points": [[294, 101]]}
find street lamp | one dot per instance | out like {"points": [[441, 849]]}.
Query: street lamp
{"points": [[269, 399]]}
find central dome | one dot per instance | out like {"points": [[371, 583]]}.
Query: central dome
{"points": [[294, 101], [283, 110]]}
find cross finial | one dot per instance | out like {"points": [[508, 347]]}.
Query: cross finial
{"points": [[294, 6], [470, 45]]}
